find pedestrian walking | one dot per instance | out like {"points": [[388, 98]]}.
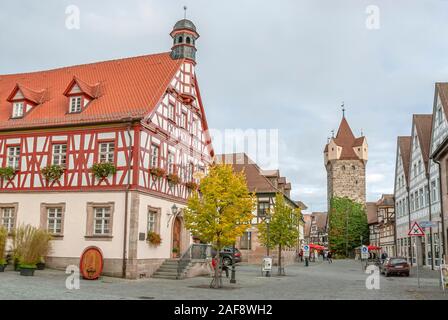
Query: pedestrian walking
{"points": [[325, 254], [301, 255], [329, 255]]}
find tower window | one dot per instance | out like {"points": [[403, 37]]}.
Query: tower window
{"points": [[353, 167], [188, 40], [180, 40], [343, 167]]}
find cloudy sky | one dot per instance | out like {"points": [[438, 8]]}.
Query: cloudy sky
{"points": [[285, 65]]}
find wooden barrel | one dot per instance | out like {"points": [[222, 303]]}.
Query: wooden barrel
{"points": [[91, 264]]}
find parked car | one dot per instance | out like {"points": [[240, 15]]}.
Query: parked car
{"points": [[395, 265], [226, 255]]}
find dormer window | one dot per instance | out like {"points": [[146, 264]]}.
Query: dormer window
{"points": [[75, 104], [80, 94], [17, 110]]}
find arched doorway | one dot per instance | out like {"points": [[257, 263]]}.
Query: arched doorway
{"points": [[177, 236]]}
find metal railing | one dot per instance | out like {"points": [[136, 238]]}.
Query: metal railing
{"points": [[195, 252]]}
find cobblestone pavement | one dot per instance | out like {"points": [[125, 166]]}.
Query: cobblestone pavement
{"points": [[344, 279]]}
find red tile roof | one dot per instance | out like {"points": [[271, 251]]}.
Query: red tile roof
{"points": [[404, 143], [31, 95], [372, 212], [130, 88], [423, 125], [442, 91], [347, 140]]}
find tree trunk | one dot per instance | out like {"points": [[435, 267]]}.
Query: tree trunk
{"points": [[216, 282], [279, 259]]}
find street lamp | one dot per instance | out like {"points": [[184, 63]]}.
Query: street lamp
{"points": [[268, 221], [174, 212], [232, 277]]}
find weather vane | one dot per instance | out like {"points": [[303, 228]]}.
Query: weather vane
{"points": [[185, 12], [343, 108], [332, 133]]}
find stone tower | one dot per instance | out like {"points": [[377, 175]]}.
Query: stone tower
{"points": [[345, 160], [184, 36]]}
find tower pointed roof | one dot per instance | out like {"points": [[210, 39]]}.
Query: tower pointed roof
{"points": [[347, 141], [345, 136]]}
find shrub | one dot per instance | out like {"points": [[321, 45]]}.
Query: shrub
{"points": [[53, 172], [157, 172], [7, 172], [154, 238], [173, 178], [3, 238], [103, 170], [30, 245]]}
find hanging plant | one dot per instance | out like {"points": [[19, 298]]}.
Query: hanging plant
{"points": [[191, 185], [154, 238], [157, 172], [173, 178], [53, 172], [103, 170], [7, 173]]}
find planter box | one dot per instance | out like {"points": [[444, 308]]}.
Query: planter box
{"points": [[27, 272], [40, 266], [2, 267]]}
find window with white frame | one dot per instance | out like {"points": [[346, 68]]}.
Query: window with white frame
{"points": [[152, 220], [107, 151], [183, 120], [75, 104], [18, 109], [171, 111], [434, 191], [195, 126], [13, 159], [59, 154], [190, 170], [154, 156], [439, 114], [171, 163], [420, 166], [102, 219], [8, 218], [54, 220], [412, 202]]}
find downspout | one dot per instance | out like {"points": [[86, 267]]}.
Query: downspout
{"points": [[442, 216], [126, 202], [409, 215], [430, 219]]}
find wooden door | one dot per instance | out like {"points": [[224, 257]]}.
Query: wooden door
{"points": [[177, 237]]}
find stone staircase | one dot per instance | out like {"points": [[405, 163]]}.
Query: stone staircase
{"points": [[169, 268]]}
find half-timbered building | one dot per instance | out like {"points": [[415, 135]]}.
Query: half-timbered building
{"points": [[128, 137], [265, 184]]}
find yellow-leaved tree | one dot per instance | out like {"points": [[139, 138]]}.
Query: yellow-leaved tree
{"points": [[222, 210], [283, 228]]}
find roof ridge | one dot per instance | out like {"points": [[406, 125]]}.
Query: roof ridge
{"points": [[84, 64]]}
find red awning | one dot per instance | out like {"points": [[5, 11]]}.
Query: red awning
{"points": [[316, 246], [373, 248]]}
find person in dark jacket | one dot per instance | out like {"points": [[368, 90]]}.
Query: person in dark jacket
{"points": [[329, 256]]}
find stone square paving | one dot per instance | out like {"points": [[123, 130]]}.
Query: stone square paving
{"points": [[343, 279]]}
